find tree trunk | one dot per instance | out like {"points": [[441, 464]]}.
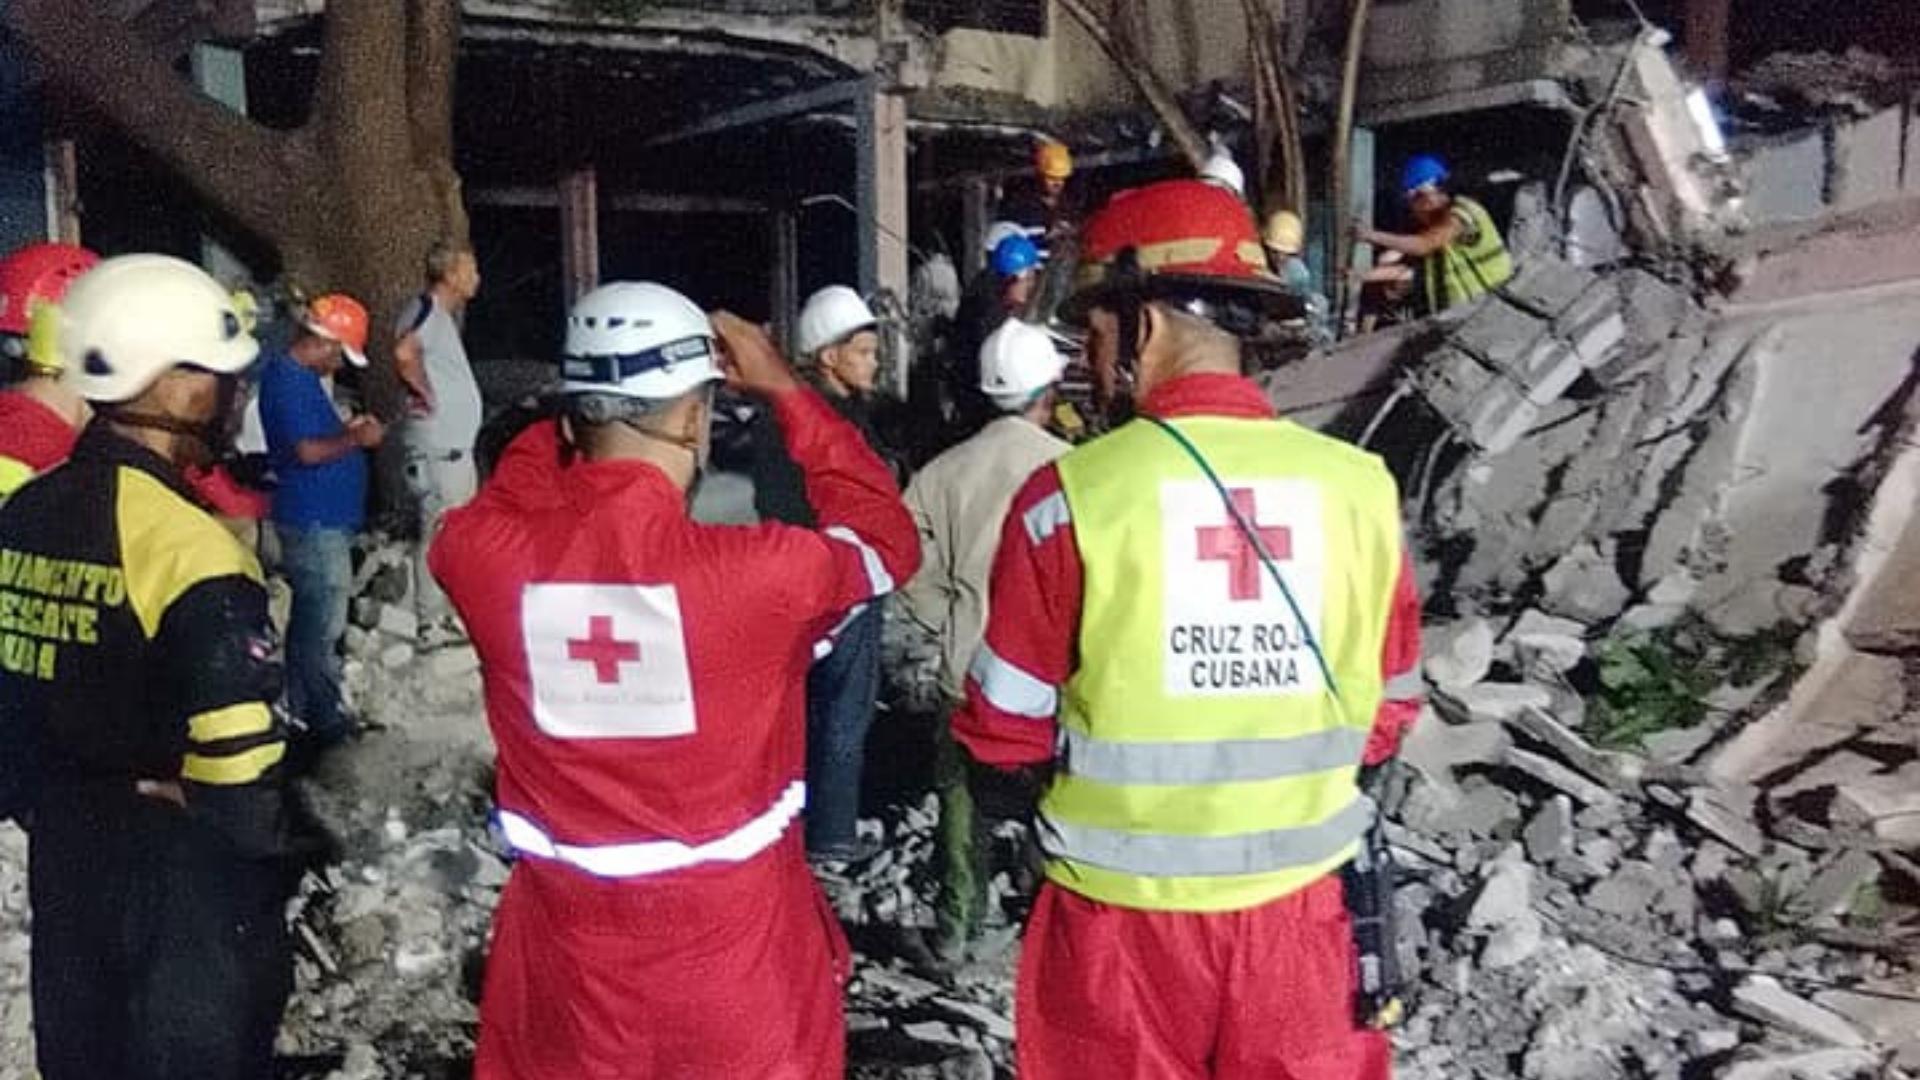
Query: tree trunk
{"points": [[352, 201], [1343, 156]]}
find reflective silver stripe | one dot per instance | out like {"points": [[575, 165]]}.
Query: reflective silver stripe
{"points": [[1161, 855], [1227, 761], [1045, 517], [1405, 686], [657, 856], [1010, 689], [824, 647], [877, 576]]}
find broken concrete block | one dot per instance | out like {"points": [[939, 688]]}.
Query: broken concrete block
{"points": [[1885, 1015], [1620, 772], [1887, 620], [1548, 287], [1835, 885], [1436, 748], [1585, 585], [1501, 336], [1465, 657], [1762, 998], [1677, 745], [1833, 770], [1549, 836], [1721, 817], [1888, 804], [1501, 418], [396, 656], [1505, 895], [1514, 942], [1493, 703], [1549, 369], [365, 612], [1837, 1064], [1559, 777], [1635, 889], [398, 621]]}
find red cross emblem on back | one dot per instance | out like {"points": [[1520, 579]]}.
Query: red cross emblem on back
{"points": [[1229, 544], [602, 650]]}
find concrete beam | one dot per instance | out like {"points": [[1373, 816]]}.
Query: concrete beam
{"points": [[1545, 93], [845, 92], [632, 202]]}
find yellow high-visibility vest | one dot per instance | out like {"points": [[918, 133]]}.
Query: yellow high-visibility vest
{"points": [[1204, 765], [1461, 272], [14, 474]]}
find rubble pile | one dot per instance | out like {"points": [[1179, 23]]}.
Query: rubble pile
{"points": [[1574, 911]]}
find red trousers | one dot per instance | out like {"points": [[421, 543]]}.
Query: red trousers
{"points": [[1260, 994], [734, 972]]}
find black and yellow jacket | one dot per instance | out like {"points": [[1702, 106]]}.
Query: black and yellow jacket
{"points": [[135, 645]]}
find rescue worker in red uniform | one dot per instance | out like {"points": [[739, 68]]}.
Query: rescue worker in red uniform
{"points": [[1202, 624], [40, 417], [645, 680]]}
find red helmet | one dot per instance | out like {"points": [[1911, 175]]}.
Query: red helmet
{"points": [[1185, 237], [37, 274]]}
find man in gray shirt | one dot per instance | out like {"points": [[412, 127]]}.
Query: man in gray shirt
{"points": [[443, 415]]}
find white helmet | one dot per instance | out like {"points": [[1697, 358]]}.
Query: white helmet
{"points": [[1017, 361], [640, 340], [831, 316], [131, 319], [999, 231], [1221, 169]]}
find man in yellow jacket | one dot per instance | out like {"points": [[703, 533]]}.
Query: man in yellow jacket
{"points": [[1459, 250]]}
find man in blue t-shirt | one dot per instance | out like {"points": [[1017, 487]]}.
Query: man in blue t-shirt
{"points": [[321, 464]]}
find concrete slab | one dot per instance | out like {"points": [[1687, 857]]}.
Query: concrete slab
{"points": [[1851, 354], [1843, 693], [1885, 614], [1786, 176], [1865, 166]]}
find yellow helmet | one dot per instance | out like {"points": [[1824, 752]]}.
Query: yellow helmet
{"points": [[1285, 232], [1052, 160]]}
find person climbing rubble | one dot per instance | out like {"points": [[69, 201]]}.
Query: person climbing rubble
{"points": [[958, 502], [135, 669], [40, 415], [1460, 251], [1200, 627], [646, 681]]}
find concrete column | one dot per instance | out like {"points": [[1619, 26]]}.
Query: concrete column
{"points": [[221, 74], [881, 144], [976, 209], [63, 191], [579, 233], [783, 303], [1707, 22]]}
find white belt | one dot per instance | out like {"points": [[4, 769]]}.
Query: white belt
{"points": [[657, 856]]}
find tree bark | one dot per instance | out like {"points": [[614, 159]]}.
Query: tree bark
{"points": [[352, 200], [1159, 96]]}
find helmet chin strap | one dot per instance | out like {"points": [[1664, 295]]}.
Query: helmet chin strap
{"points": [[207, 433]]}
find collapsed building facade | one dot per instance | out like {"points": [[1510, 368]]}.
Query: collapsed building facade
{"points": [[1661, 819]]}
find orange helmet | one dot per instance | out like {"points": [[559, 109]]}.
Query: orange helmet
{"points": [[339, 317], [38, 274], [1052, 160], [1184, 238]]}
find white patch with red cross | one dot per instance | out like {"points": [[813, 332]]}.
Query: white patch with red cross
{"points": [[607, 661], [1227, 627]]}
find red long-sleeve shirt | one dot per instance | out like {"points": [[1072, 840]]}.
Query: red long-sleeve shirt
{"points": [[645, 673], [1034, 626]]}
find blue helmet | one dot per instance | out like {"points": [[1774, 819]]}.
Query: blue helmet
{"points": [[1015, 256], [1421, 170]]}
